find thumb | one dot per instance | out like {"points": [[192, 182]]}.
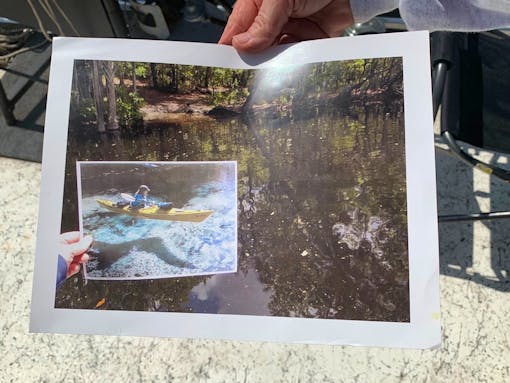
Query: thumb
{"points": [[80, 247], [266, 27]]}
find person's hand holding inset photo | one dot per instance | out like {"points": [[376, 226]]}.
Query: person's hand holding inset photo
{"points": [[72, 254], [257, 24]]}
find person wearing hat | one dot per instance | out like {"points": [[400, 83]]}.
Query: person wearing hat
{"points": [[141, 200]]}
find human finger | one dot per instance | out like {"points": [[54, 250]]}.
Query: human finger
{"points": [[70, 237], [333, 18], [80, 247], [240, 19], [266, 27], [302, 29], [82, 258], [288, 39]]}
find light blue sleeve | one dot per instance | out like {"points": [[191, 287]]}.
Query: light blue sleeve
{"points": [[448, 15], [456, 15], [364, 10]]}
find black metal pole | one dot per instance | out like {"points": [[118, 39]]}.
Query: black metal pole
{"points": [[6, 107], [116, 18], [474, 216]]}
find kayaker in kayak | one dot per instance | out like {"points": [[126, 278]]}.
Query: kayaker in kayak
{"points": [[141, 200]]}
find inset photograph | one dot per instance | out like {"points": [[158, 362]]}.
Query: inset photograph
{"points": [[154, 220]]}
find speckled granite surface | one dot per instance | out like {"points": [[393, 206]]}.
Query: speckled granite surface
{"points": [[475, 312]]}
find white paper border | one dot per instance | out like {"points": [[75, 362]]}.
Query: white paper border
{"points": [[424, 329], [172, 163]]}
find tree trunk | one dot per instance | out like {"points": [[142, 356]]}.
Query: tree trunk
{"points": [[98, 97], [175, 79], [174, 86], [134, 78], [248, 103], [206, 77], [122, 79], [154, 76], [113, 121], [76, 87]]}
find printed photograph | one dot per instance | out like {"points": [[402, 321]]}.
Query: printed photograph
{"points": [[158, 219], [318, 200]]}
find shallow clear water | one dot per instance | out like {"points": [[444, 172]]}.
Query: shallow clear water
{"points": [[128, 247]]}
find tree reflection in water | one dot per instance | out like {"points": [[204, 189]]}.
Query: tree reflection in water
{"points": [[322, 225]]}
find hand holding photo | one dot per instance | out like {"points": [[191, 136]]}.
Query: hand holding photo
{"points": [[72, 255]]}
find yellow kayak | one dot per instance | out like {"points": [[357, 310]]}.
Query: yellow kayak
{"points": [[154, 212]]}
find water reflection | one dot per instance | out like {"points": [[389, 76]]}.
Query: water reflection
{"points": [[225, 294], [322, 224]]}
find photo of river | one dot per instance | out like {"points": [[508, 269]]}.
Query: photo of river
{"points": [[320, 200], [132, 246]]}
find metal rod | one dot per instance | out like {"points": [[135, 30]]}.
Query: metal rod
{"points": [[115, 18], [474, 216], [6, 108], [438, 85], [497, 172], [226, 5]]}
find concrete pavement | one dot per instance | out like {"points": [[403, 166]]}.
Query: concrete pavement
{"points": [[475, 309]]}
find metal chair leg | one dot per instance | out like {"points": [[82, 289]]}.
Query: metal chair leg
{"points": [[6, 107]]}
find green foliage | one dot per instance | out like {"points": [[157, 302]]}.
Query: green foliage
{"points": [[86, 109], [128, 106], [228, 97], [226, 86], [141, 70]]}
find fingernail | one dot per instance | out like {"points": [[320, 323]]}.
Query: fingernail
{"points": [[243, 38]]}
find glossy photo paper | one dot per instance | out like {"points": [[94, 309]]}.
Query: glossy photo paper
{"points": [[190, 191]]}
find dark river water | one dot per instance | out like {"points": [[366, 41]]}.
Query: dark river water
{"points": [[321, 209]]}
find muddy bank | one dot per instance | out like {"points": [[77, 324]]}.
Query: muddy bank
{"points": [[163, 106]]}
